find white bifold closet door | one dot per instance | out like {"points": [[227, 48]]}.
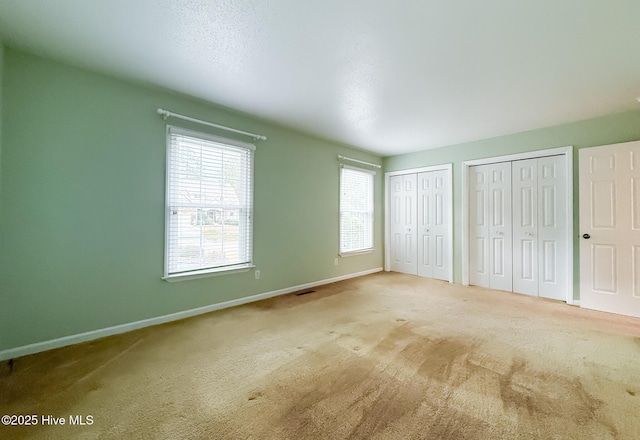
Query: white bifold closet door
{"points": [[539, 227], [404, 220], [420, 223], [433, 225], [517, 226], [490, 244]]}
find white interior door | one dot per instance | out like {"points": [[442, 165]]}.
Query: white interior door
{"points": [[479, 225], [433, 224], [525, 226], [539, 227], [441, 221], [426, 223], [490, 227], [500, 227], [519, 223], [404, 235], [553, 242], [610, 228]]}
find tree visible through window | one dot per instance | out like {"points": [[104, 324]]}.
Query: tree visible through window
{"points": [[209, 203], [356, 210]]}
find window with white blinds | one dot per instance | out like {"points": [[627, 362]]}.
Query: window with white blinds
{"points": [[209, 204], [356, 210]]}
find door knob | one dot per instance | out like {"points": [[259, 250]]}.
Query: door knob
{"points": [[499, 232], [586, 236], [528, 234]]}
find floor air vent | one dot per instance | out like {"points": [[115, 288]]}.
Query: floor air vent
{"points": [[305, 292]]}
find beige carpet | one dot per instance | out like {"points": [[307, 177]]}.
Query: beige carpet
{"points": [[387, 356]]}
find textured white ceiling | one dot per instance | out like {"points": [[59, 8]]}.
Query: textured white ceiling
{"points": [[389, 77]]}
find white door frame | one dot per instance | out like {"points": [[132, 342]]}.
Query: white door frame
{"points": [[387, 229], [568, 152]]}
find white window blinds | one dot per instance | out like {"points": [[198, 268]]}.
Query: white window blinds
{"points": [[356, 209], [209, 203]]}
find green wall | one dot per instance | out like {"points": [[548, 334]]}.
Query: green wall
{"points": [[82, 169], [620, 127], [82, 216], [1, 103]]}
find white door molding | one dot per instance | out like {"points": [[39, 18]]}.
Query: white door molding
{"points": [[387, 224], [568, 152]]}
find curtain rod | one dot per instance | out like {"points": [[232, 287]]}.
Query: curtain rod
{"points": [[375, 165], [167, 114]]}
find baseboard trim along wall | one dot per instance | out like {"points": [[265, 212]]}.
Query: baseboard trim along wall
{"points": [[123, 328]]}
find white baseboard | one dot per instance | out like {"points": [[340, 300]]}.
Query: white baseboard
{"points": [[123, 328]]}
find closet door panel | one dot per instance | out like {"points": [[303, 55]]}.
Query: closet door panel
{"points": [[500, 227], [441, 209], [552, 227], [525, 226], [396, 210], [403, 224], [411, 224], [426, 217], [479, 265]]}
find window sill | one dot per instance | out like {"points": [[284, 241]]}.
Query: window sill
{"points": [[207, 273], [355, 253]]}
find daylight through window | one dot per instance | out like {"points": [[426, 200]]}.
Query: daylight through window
{"points": [[209, 203], [356, 210]]}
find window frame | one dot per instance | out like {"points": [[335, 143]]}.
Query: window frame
{"points": [[218, 270], [367, 250]]}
